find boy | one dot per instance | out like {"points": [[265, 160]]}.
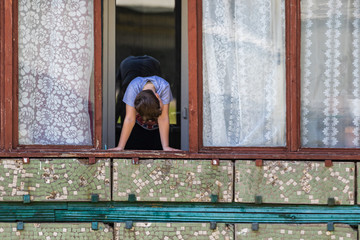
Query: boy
{"points": [[146, 123]]}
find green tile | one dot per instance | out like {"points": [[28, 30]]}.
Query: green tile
{"points": [[54, 231], [294, 232], [54, 180], [295, 182], [172, 180], [169, 231]]}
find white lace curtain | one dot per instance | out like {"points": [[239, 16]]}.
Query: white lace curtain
{"points": [[244, 101], [55, 70], [330, 64]]}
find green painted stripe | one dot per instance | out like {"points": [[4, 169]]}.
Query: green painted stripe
{"points": [[170, 212]]}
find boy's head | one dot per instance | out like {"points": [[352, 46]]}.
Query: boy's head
{"points": [[147, 105]]}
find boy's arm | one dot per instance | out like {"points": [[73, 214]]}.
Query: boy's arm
{"points": [[127, 127], [164, 126]]}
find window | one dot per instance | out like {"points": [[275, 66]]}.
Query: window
{"points": [[275, 76], [330, 77], [244, 104], [55, 62], [141, 27], [152, 28], [56, 73], [263, 77]]}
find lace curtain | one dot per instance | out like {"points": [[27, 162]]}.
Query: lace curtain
{"points": [[330, 63], [55, 71], [244, 101]]}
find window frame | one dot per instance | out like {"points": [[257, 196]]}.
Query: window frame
{"points": [[2, 58], [8, 99], [9, 128], [293, 146]]}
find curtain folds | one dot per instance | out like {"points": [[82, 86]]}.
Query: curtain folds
{"points": [[56, 49], [244, 73], [330, 93]]}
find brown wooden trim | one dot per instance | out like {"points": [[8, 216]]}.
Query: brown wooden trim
{"points": [[293, 87], [298, 77], [98, 74], [200, 75], [2, 21], [246, 150], [8, 74], [330, 151], [335, 156], [58, 148], [193, 39], [15, 86]]}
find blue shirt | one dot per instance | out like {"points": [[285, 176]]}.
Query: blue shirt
{"points": [[162, 87]]}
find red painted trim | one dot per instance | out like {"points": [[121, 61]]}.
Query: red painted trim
{"points": [[2, 89], [84, 153], [193, 75], [8, 74], [259, 162], [15, 79], [293, 78], [200, 74], [98, 73]]}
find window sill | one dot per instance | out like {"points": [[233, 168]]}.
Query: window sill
{"points": [[303, 154]]}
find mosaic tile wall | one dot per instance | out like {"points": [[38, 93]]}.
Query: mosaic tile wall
{"points": [[170, 180], [284, 182], [295, 232], [290, 182], [54, 231], [54, 180], [358, 182], [170, 231]]}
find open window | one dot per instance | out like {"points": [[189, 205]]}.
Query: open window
{"points": [[154, 28]]}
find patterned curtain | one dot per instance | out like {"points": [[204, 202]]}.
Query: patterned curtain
{"points": [[330, 63], [244, 101], [56, 48]]}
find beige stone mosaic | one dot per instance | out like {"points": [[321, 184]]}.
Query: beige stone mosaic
{"points": [[295, 232], [358, 182], [54, 180], [55, 231], [172, 180], [174, 231], [295, 182]]}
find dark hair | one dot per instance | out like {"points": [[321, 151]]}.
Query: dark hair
{"points": [[147, 105]]}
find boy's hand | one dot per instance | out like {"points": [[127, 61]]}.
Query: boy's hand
{"points": [[170, 149], [116, 149]]}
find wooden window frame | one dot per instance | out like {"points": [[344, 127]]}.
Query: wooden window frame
{"points": [[293, 147], [2, 74], [8, 99], [9, 84]]}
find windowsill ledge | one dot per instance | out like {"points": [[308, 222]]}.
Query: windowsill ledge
{"points": [[311, 154]]}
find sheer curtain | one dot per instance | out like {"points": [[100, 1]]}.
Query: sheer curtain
{"points": [[55, 71], [330, 73], [244, 73]]}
